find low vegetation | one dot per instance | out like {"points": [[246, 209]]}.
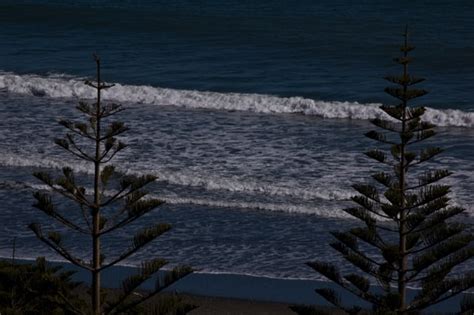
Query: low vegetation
{"points": [[36, 289]]}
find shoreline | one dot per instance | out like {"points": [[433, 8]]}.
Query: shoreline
{"points": [[220, 290]]}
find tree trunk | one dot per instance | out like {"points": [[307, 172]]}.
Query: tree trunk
{"points": [[96, 303], [403, 263]]}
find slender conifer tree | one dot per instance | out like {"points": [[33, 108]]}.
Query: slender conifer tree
{"points": [[406, 218], [129, 200]]}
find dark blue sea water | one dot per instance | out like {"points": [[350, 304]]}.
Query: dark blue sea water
{"points": [[252, 114], [328, 50]]}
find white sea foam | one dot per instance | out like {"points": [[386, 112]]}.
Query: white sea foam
{"points": [[286, 189], [66, 87], [329, 213], [281, 207], [306, 196], [210, 183]]}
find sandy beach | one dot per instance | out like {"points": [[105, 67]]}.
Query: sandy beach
{"points": [[226, 306]]}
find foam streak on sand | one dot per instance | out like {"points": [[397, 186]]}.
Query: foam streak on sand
{"points": [[61, 86]]}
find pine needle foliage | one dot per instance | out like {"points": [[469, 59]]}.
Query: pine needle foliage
{"points": [[406, 218], [37, 289], [95, 140]]}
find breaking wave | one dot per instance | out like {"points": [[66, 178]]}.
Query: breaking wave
{"points": [[62, 86], [278, 207], [209, 183]]}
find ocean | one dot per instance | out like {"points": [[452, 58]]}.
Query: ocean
{"points": [[252, 115]]}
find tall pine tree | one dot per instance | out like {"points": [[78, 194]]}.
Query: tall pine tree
{"points": [[130, 201], [406, 218]]}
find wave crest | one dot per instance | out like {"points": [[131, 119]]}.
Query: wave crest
{"points": [[62, 86]]}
